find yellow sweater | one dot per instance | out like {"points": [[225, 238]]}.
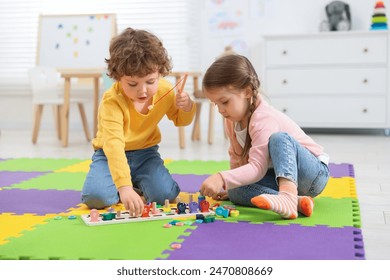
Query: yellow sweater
{"points": [[122, 128]]}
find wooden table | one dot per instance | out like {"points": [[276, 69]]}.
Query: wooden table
{"points": [[67, 74]]}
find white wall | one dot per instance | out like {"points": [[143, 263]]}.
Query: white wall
{"points": [[256, 18], [261, 17]]}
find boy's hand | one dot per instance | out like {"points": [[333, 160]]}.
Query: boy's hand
{"points": [[213, 187], [183, 101], [131, 200]]}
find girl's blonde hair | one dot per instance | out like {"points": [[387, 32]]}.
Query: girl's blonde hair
{"points": [[237, 72], [137, 53]]}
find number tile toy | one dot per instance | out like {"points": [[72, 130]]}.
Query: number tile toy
{"points": [[149, 214]]}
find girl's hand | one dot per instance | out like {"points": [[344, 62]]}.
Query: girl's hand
{"points": [[221, 196], [183, 101], [131, 200], [213, 186]]}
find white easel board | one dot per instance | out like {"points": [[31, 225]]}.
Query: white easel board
{"points": [[75, 41]]}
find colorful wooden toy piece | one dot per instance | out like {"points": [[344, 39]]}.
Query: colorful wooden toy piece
{"points": [[181, 208], [200, 199], [96, 219], [154, 208], [220, 211], [94, 214], [176, 246], [108, 216], [209, 219], [234, 213], [193, 207], [166, 207], [145, 211], [204, 206]]}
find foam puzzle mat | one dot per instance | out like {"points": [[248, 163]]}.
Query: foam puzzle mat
{"points": [[39, 196]]}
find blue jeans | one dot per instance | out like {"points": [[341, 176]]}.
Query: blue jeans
{"points": [[148, 173], [291, 161]]}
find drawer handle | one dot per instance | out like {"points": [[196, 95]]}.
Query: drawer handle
{"points": [[365, 81], [284, 52], [284, 110], [365, 110], [365, 50], [284, 82]]}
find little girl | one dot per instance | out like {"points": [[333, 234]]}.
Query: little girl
{"points": [[274, 165]]}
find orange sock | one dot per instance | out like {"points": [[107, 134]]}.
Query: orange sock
{"points": [[305, 205], [285, 204]]}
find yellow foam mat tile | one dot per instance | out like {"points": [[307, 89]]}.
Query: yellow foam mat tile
{"points": [[78, 167], [12, 225], [344, 187]]}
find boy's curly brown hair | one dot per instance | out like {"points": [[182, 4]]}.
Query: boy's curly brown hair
{"points": [[137, 53]]}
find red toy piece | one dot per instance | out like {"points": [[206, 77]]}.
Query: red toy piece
{"points": [[145, 212], [204, 206]]}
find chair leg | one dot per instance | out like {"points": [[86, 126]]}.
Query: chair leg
{"points": [[84, 121], [196, 129], [182, 139], [57, 118], [37, 122], [211, 124], [224, 128]]}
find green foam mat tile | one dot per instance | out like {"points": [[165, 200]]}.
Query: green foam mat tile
{"points": [[326, 212], [197, 167], [36, 164], [72, 240], [57, 181]]}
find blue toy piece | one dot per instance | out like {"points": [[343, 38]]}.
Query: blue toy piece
{"points": [[193, 206], [220, 211], [200, 199]]}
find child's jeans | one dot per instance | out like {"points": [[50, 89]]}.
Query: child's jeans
{"points": [[148, 174], [291, 161]]}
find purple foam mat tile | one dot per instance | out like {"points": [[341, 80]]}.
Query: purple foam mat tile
{"points": [[40, 202], [245, 241], [341, 170], [8, 178], [189, 183]]}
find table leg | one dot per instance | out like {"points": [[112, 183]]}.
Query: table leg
{"points": [[95, 106], [196, 129], [65, 114], [211, 124]]}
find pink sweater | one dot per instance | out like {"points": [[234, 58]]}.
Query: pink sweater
{"points": [[265, 121]]}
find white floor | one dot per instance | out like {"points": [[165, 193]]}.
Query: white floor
{"points": [[368, 151]]}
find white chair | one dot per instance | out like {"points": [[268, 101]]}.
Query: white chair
{"points": [[46, 91]]}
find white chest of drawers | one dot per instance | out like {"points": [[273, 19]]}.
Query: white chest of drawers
{"points": [[330, 80]]}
